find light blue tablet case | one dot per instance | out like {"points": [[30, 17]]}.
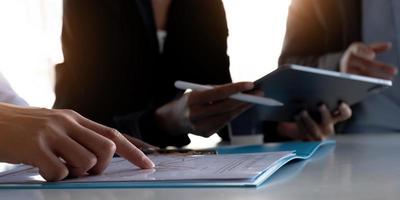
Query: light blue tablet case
{"points": [[302, 150]]}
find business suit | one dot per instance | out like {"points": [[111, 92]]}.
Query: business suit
{"points": [[113, 72], [318, 33]]}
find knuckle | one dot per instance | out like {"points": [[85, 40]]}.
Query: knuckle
{"points": [[90, 162], [109, 147], [44, 128], [112, 134], [85, 164], [56, 173], [65, 115], [60, 117], [69, 112]]}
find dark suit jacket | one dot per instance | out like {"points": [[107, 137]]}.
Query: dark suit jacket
{"points": [[113, 72], [319, 31]]}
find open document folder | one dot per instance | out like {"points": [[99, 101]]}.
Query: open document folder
{"points": [[234, 167]]}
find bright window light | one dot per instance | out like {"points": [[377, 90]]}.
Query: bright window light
{"points": [[256, 32], [30, 46], [257, 29]]}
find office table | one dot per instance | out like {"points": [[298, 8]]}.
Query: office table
{"points": [[360, 166]]}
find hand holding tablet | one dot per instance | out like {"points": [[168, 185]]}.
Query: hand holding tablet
{"points": [[239, 96], [293, 88], [305, 88]]}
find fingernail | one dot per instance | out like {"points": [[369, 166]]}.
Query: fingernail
{"points": [[148, 163]]}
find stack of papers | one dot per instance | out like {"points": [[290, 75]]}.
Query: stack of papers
{"points": [[223, 170]]}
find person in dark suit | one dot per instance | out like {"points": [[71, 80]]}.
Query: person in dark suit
{"points": [[122, 58], [352, 36], [115, 74]]}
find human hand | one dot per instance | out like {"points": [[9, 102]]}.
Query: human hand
{"points": [[360, 59], [203, 112], [61, 143], [307, 129]]}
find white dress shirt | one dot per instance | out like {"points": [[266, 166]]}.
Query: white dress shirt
{"points": [[8, 95]]}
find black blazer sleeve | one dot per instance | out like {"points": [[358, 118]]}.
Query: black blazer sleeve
{"points": [[318, 32], [195, 49]]}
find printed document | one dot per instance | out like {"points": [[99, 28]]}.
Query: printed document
{"points": [[170, 168]]}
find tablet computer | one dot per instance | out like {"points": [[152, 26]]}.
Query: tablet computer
{"points": [[305, 88]]}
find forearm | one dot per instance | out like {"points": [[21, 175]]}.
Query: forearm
{"points": [[307, 41]]}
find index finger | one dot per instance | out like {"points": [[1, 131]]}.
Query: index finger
{"points": [[219, 92], [380, 47], [124, 147], [375, 68]]}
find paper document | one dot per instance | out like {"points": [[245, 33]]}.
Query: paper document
{"points": [[170, 168]]}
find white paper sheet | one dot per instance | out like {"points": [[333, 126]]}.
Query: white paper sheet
{"points": [[170, 168]]}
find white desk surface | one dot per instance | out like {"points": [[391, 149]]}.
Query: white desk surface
{"points": [[361, 166]]}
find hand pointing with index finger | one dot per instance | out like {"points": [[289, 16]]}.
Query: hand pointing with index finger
{"points": [[61, 143]]}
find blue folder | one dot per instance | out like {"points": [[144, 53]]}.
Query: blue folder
{"points": [[301, 150]]}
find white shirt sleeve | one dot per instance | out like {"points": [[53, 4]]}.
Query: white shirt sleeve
{"points": [[8, 95]]}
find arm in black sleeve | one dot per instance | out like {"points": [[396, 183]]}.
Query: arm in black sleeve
{"points": [[308, 39]]}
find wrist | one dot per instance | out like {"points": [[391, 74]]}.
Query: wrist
{"points": [[166, 121]]}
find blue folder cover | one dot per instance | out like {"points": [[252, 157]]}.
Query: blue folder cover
{"points": [[302, 150]]}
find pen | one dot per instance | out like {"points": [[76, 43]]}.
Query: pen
{"points": [[183, 85]]}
